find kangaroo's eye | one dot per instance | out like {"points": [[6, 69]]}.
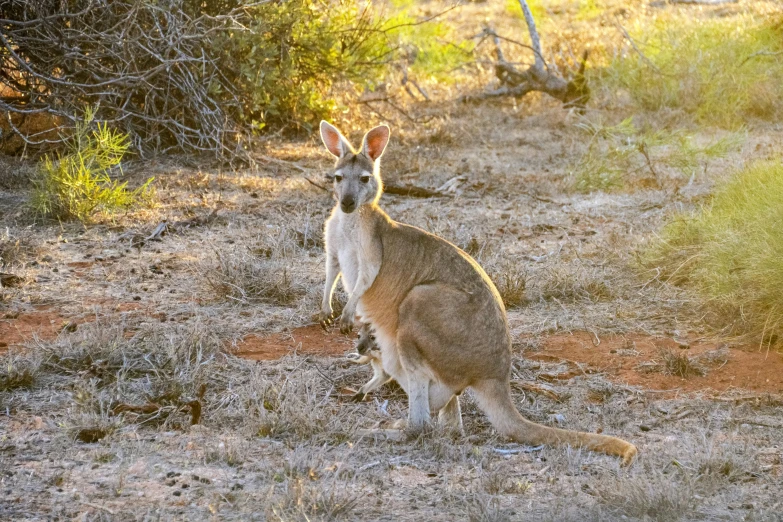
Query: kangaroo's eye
{"points": [[364, 179], [338, 178]]}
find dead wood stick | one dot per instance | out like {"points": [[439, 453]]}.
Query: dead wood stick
{"points": [[639, 51], [313, 183], [410, 191], [150, 407]]}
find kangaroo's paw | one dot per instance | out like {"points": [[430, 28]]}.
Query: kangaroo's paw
{"points": [[357, 359], [629, 455]]}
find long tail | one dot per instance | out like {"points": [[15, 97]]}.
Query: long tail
{"points": [[494, 397]]}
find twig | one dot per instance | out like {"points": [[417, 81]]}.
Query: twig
{"points": [[410, 191], [643, 149], [270, 159], [536, 388], [760, 53], [513, 451], [316, 184], [639, 51]]}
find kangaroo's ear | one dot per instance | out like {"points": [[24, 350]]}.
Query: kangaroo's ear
{"points": [[375, 142], [334, 141]]}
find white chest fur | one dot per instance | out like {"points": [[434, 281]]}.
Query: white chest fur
{"points": [[344, 239]]}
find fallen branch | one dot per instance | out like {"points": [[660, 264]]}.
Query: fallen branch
{"points": [[279, 161], [537, 77], [411, 191], [313, 183], [513, 451], [704, 2]]}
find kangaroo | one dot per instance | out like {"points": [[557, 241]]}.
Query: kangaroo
{"points": [[379, 376], [368, 353], [439, 321]]}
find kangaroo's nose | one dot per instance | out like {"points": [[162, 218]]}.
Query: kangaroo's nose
{"points": [[348, 204]]}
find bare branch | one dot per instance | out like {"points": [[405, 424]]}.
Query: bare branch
{"points": [[537, 77], [531, 28]]}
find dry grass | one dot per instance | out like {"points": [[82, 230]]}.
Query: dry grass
{"points": [[276, 434], [680, 365], [510, 279], [653, 497], [625, 156], [303, 500], [723, 70], [19, 371], [245, 278], [574, 283], [16, 250]]}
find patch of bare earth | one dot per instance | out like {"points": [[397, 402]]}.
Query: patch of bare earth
{"points": [[632, 359]]}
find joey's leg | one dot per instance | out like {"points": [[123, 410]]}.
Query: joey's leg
{"points": [[379, 378], [444, 401], [450, 417]]}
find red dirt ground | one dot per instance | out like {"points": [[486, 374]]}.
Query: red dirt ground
{"points": [[16, 329], [627, 359], [311, 340], [621, 358]]}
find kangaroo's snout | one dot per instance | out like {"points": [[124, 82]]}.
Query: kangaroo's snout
{"points": [[348, 204]]}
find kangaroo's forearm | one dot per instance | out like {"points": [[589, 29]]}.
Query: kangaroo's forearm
{"points": [[332, 274]]}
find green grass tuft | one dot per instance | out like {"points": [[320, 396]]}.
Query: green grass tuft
{"points": [[78, 184], [731, 250]]}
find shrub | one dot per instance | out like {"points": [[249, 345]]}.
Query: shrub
{"points": [[730, 252], [622, 155], [187, 75], [77, 184], [721, 70], [432, 49], [294, 52]]}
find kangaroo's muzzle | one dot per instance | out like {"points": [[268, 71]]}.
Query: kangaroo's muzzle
{"points": [[348, 204]]}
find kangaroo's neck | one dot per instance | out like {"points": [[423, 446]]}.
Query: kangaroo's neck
{"points": [[365, 217]]}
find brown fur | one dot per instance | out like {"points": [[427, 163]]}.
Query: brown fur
{"points": [[438, 319]]}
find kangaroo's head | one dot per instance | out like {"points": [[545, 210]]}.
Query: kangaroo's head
{"points": [[356, 177]]}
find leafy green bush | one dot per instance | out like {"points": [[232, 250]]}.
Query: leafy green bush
{"points": [[723, 71], [295, 52], [431, 48], [77, 184], [623, 154], [731, 251], [190, 75]]}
